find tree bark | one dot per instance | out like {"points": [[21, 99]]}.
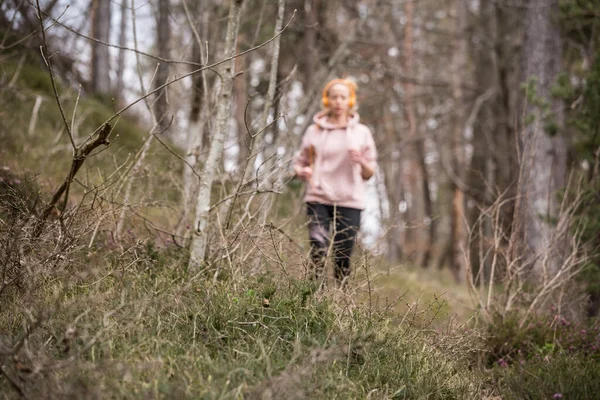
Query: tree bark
{"points": [[100, 62], [311, 10], [119, 89], [420, 204], [458, 218], [198, 119], [240, 95], [211, 167], [163, 35], [391, 164], [544, 156], [485, 127]]}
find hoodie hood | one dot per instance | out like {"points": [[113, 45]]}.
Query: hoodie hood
{"points": [[320, 119]]}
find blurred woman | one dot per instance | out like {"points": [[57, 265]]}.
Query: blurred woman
{"points": [[336, 158]]}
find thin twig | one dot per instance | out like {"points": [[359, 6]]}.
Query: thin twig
{"points": [[139, 52], [78, 160], [177, 155], [44, 51]]}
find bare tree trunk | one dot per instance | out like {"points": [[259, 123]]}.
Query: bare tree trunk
{"points": [[491, 172], [510, 24], [163, 31], [211, 167], [311, 9], [484, 130], [458, 217], [442, 252], [391, 164], [198, 118], [544, 156], [429, 223], [240, 95], [121, 61], [100, 63], [420, 209]]}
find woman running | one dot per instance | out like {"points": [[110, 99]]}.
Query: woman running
{"points": [[336, 158]]}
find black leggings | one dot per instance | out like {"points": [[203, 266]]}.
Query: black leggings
{"points": [[346, 222]]}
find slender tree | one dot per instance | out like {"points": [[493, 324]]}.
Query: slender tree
{"points": [[198, 115], [163, 35], [544, 154], [211, 167], [459, 64], [119, 88], [240, 96], [100, 61]]}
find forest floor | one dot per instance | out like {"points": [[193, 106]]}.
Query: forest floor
{"points": [[128, 320], [420, 287]]}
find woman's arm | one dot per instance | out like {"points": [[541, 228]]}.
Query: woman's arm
{"points": [[366, 157], [303, 160], [367, 170]]}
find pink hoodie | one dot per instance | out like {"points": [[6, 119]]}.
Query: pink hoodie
{"points": [[336, 179]]}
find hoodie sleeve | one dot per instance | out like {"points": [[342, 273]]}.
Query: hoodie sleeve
{"points": [[301, 158]]}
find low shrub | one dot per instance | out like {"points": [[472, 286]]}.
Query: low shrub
{"points": [[546, 357], [510, 342], [562, 376]]}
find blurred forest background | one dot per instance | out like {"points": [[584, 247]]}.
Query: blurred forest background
{"points": [[152, 236]]}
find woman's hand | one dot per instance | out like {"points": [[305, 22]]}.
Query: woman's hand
{"points": [[357, 157], [304, 173]]}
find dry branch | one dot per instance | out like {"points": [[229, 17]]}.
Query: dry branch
{"points": [[81, 154]]}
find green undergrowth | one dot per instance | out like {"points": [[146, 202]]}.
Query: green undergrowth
{"points": [[544, 356], [138, 325], [565, 376], [418, 288]]}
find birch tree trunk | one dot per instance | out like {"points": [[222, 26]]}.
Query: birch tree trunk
{"points": [[198, 119], [544, 159], [211, 167], [100, 56]]}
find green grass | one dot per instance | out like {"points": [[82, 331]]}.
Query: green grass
{"points": [[418, 289], [170, 333], [47, 152], [561, 377]]}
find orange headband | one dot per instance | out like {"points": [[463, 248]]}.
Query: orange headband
{"points": [[349, 84]]}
